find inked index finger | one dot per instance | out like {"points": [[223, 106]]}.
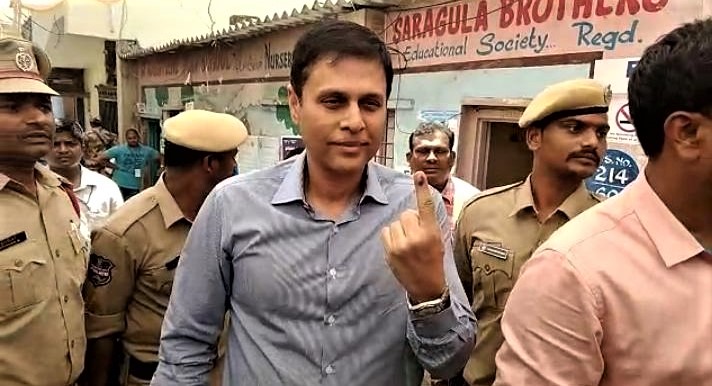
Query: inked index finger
{"points": [[425, 201]]}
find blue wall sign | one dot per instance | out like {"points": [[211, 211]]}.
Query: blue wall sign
{"points": [[437, 115], [617, 170]]}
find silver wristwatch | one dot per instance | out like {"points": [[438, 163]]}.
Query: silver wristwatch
{"points": [[431, 307]]}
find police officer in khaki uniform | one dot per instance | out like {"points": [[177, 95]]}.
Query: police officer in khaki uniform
{"points": [[135, 254], [43, 257], [566, 127]]}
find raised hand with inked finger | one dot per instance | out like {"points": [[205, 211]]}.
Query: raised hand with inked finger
{"points": [[414, 247]]}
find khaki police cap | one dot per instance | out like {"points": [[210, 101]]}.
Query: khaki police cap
{"points": [[23, 67], [566, 99], [205, 131]]}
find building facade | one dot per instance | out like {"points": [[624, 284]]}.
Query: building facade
{"points": [[481, 61], [81, 37], [243, 71], [473, 64]]}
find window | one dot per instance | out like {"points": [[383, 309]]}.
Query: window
{"points": [[385, 152]]}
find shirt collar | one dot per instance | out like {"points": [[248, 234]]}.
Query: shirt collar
{"points": [[169, 208], [292, 187], [87, 179], [672, 240], [448, 192], [575, 203], [43, 176]]}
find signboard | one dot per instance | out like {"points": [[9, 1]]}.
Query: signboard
{"points": [[617, 170], [266, 57], [614, 72], [442, 116], [258, 152], [498, 29], [623, 120], [288, 145], [622, 130]]}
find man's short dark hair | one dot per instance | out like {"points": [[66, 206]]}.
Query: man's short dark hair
{"points": [[428, 128], [341, 39], [132, 130], [72, 127], [674, 74], [177, 156]]}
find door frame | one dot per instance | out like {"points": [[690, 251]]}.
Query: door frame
{"points": [[477, 115]]}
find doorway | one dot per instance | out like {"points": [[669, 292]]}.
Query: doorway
{"points": [[491, 149], [509, 159], [153, 135]]}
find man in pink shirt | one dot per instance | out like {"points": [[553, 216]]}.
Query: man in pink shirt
{"points": [[622, 294]]}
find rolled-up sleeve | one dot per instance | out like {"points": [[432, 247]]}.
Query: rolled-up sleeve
{"points": [[110, 283], [196, 312], [443, 342], [551, 327]]}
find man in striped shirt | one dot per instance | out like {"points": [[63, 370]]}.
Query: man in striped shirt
{"points": [[293, 252]]}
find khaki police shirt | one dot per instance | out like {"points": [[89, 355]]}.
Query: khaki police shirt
{"points": [[133, 260], [43, 263], [496, 234]]}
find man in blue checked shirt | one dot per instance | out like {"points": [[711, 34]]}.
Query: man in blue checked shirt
{"points": [[331, 269]]}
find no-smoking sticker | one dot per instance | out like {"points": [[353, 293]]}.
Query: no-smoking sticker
{"points": [[623, 119]]}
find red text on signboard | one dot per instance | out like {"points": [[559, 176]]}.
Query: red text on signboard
{"points": [[469, 17]]}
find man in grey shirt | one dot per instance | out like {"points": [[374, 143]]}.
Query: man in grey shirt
{"points": [[293, 252]]}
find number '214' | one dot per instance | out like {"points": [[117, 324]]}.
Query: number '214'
{"points": [[612, 176]]}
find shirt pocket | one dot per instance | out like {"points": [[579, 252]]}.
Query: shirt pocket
{"points": [[25, 278], [161, 282], [493, 267]]}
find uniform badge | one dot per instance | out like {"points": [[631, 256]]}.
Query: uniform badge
{"points": [[24, 60], [607, 94], [494, 251], [15, 239], [100, 270]]}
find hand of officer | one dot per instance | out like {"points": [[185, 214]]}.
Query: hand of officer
{"points": [[414, 247]]}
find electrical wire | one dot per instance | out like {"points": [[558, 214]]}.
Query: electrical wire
{"points": [[124, 19], [210, 15]]}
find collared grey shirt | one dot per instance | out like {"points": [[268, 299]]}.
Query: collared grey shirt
{"points": [[311, 301]]}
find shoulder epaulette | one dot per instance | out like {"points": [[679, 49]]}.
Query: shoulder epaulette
{"points": [[491, 192], [130, 212]]}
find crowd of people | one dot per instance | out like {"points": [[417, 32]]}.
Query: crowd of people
{"points": [[330, 269]]}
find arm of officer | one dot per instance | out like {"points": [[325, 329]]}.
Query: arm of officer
{"points": [[110, 284], [442, 342], [461, 254], [551, 327], [196, 311]]}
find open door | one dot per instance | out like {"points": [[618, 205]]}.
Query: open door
{"points": [[491, 149]]}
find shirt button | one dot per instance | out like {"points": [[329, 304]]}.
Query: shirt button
{"points": [[332, 273], [18, 263], [329, 369], [487, 268], [56, 253], [66, 298], [330, 320]]}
